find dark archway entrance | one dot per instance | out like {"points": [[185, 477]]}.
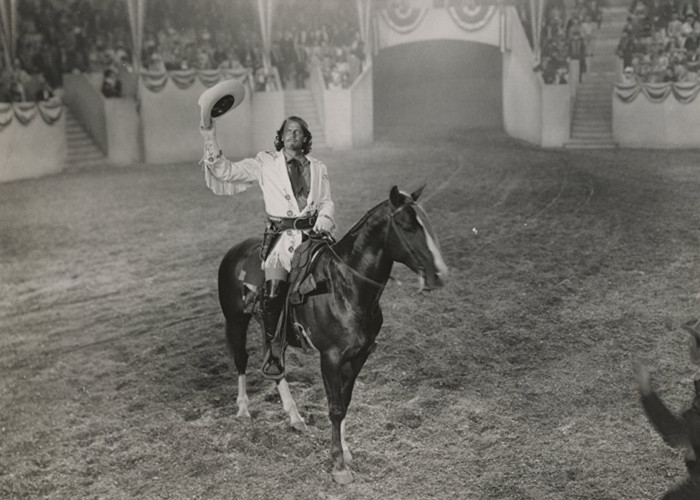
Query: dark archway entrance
{"points": [[439, 85]]}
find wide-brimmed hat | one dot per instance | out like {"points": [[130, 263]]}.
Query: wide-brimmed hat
{"points": [[219, 99]]}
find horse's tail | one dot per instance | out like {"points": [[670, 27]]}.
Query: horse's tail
{"points": [[230, 287], [232, 302]]}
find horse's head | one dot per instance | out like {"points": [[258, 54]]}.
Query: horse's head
{"points": [[412, 241]]}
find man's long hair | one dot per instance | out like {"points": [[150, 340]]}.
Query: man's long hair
{"points": [[306, 145]]}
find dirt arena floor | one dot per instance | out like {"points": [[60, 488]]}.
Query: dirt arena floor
{"points": [[513, 382]]}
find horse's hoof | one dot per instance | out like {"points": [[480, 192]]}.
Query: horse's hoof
{"points": [[342, 476], [243, 413], [299, 426]]}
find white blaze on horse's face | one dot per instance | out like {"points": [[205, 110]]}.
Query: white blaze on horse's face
{"points": [[431, 242]]}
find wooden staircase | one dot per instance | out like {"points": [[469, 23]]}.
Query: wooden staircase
{"points": [[82, 150], [301, 103], [591, 124]]}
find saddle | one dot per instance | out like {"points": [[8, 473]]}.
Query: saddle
{"points": [[305, 279]]}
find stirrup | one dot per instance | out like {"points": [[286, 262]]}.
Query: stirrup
{"points": [[270, 362]]}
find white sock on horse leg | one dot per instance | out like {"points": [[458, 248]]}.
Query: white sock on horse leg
{"points": [[290, 407], [347, 456], [242, 399]]}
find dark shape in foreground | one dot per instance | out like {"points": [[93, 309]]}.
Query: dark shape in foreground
{"points": [[677, 431]]}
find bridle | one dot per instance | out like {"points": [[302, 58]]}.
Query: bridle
{"points": [[402, 238], [406, 246]]}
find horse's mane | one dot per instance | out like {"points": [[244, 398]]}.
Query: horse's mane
{"points": [[358, 225]]}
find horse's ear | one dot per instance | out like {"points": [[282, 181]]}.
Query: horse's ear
{"points": [[395, 197], [416, 194]]}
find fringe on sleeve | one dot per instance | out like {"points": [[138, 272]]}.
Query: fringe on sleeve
{"points": [[223, 188]]}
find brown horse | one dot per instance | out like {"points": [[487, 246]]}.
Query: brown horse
{"points": [[342, 323]]}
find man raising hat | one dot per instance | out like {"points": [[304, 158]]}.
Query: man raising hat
{"points": [[297, 198]]}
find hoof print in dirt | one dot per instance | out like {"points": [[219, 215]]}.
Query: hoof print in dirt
{"points": [[191, 415], [410, 420]]}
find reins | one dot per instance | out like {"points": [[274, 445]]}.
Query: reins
{"points": [[404, 242]]}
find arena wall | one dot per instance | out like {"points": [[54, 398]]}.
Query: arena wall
{"points": [[362, 101], [532, 111], [123, 131], [170, 121], [642, 123], [338, 118], [438, 85], [522, 98], [32, 150]]}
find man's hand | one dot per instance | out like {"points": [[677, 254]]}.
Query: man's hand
{"points": [[641, 375], [212, 150], [207, 132], [324, 224]]}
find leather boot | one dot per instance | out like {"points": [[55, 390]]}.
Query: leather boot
{"points": [[273, 301]]}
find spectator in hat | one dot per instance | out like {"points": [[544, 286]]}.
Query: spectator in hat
{"points": [[626, 48], [628, 76], [44, 93], [111, 84]]}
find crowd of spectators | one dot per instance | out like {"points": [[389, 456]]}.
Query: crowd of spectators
{"points": [[661, 42], [566, 35], [94, 36]]}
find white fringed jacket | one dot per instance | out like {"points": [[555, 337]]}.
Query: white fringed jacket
{"points": [[269, 170]]}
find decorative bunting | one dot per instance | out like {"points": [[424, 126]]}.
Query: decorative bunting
{"points": [[50, 110], [684, 92], [184, 79], [404, 16], [155, 82], [24, 111], [209, 77], [627, 92], [656, 92], [5, 114], [242, 74], [471, 15]]}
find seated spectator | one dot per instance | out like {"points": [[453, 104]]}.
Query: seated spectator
{"points": [[16, 91], [673, 29], [336, 80], [687, 26], [156, 64], [202, 60], [628, 77], [681, 74], [693, 60], [45, 92], [111, 84], [232, 62]]}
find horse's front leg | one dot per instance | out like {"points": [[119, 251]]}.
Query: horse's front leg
{"points": [[350, 371], [290, 407], [331, 369]]}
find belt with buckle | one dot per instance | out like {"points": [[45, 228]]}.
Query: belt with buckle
{"points": [[298, 223]]}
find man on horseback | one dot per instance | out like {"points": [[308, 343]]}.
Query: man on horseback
{"points": [[297, 197]]}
